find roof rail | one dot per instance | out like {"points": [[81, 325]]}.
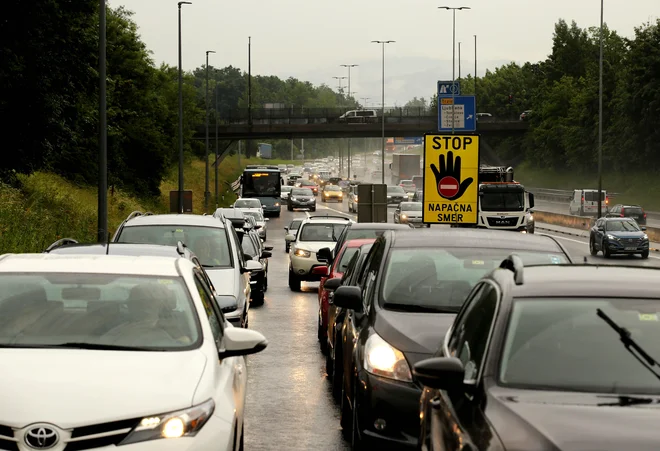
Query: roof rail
{"points": [[136, 213], [60, 243], [328, 217], [514, 264], [181, 248]]}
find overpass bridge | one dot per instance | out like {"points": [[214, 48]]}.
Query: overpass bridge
{"points": [[290, 123]]}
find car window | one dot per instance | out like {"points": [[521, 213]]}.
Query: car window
{"points": [[395, 190], [592, 196], [633, 211], [295, 225], [320, 232], [441, 278], [255, 214], [564, 344], [301, 192], [346, 258], [102, 309], [247, 203], [210, 244], [411, 206], [237, 240], [248, 246], [471, 333], [369, 283], [212, 316], [621, 226], [331, 188]]}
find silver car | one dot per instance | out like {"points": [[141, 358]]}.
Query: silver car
{"points": [[409, 213], [261, 221]]}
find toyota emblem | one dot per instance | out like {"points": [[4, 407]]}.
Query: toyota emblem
{"points": [[41, 437]]}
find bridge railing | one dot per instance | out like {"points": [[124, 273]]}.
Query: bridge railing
{"points": [[316, 115]]}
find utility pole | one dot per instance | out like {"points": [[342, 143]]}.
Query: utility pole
{"points": [[249, 98], [600, 116], [181, 113], [217, 146], [349, 66], [102, 214], [459, 62], [382, 155], [475, 72], [206, 166]]}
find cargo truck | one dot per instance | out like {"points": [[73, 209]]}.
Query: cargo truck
{"points": [[265, 151], [405, 166]]}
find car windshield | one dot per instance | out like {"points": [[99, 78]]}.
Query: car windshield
{"points": [[247, 203], [395, 190], [563, 344], [286, 189], [210, 244], [96, 311], [295, 225], [249, 247], [332, 188], [411, 206], [633, 210], [321, 232], [621, 226], [255, 214], [498, 201], [440, 278], [346, 258], [302, 192]]}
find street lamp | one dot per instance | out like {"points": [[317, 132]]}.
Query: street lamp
{"points": [[217, 148], [453, 64], [102, 215], [365, 101], [349, 66], [206, 179], [600, 116], [181, 114], [341, 156], [382, 155]]}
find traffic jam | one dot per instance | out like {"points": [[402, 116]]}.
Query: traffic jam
{"points": [[452, 325]]}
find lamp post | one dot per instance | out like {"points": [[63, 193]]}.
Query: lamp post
{"points": [[217, 147], [341, 156], [475, 72], [206, 178], [181, 114], [366, 140], [600, 116], [349, 66], [453, 53], [102, 215], [382, 155]]}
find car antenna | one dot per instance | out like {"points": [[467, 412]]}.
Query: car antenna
{"points": [[585, 260]]}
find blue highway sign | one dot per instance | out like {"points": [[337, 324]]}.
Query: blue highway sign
{"points": [[447, 88], [464, 114]]}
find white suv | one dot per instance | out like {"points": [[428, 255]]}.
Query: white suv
{"points": [[315, 232]]}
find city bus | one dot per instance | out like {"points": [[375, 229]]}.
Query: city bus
{"points": [[263, 183]]}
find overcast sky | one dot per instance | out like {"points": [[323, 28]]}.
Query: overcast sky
{"points": [[309, 39]]}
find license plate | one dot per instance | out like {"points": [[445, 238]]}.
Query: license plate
{"points": [[631, 248]]}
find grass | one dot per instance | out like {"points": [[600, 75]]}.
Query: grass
{"points": [[45, 207], [632, 188]]}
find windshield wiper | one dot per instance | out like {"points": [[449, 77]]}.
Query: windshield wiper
{"points": [[418, 308], [75, 345], [629, 343]]}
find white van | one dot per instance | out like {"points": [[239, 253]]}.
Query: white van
{"points": [[359, 116], [585, 202]]}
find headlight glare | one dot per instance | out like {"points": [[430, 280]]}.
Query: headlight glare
{"points": [[611, 237], [183, 423], [381, 359], [302, 253]]}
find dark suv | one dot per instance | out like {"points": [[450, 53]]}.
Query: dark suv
{"points": [[628, 211]]}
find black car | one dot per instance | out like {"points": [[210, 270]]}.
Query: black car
{"points": [[302, 198], [356, 231], [628, 211], [618, 236], [396, 195], [414, 283], [253, 247], [234, 313], [548, 358]]}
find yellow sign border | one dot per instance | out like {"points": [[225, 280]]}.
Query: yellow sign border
{"points": [[426, 167]]}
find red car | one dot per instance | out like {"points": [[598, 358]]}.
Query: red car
{"points": [[338, 268]]}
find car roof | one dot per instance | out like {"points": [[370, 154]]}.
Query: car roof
{"points": [[378, 226], [613, 219], [130, 249], [322, 220], [592, 281], [475, 238], [176, 219], [91, 264], [359, 242]]}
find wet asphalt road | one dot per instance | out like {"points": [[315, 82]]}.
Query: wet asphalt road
{"points": [[289, 404]]}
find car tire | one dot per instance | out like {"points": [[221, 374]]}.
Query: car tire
{"points": [[606, 250], [241, 442], [265, 283], [337, 372], [645, 254], [286, 248], [258, 297], [277, 215], [312, 209], [592, 247], [345, 415], [289, 207], [357, 443], [323, 341], [294, 281], [265, 237]]}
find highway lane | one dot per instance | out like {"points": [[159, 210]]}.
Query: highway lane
{"points": [[289, 404], [562, 208]]}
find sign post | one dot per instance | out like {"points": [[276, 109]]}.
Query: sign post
{"points": [[451, 178]]}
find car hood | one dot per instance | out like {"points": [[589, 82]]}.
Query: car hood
{"points": [[73, 387], [573, 421], [224, 280], [417, 335], [626, 234], [412, 213], [314, 246]]}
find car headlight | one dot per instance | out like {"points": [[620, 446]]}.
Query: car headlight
{"points": [[277, 204], [341, 194], [531, 218], [645, 237], [403, 216], [302, 253], [381, 359], [183, 423], [611, 237], [326, 194], [356, 198]]}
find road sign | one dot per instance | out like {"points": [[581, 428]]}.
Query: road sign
{"points": [[451, 177], [409, 141], [448, 88], [372, 205], [464, 111]]}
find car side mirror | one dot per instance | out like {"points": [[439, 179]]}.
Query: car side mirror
{"points": [[252, 266], [320, 270], [349, 298], [266, 254], [600, 229], [239, 342], [531, 200], [324, 255], [268, 248], [643, 228], [247, 257], [231, 206], [266, 219], [257, 227], [442, 373], [332, 284], [289, 237]]}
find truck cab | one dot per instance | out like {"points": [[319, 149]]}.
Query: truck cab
{"points": [[504, 204]]}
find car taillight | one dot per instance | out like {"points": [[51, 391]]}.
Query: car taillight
{"points": [[622, 215], [607, 200], [644, 215]]}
